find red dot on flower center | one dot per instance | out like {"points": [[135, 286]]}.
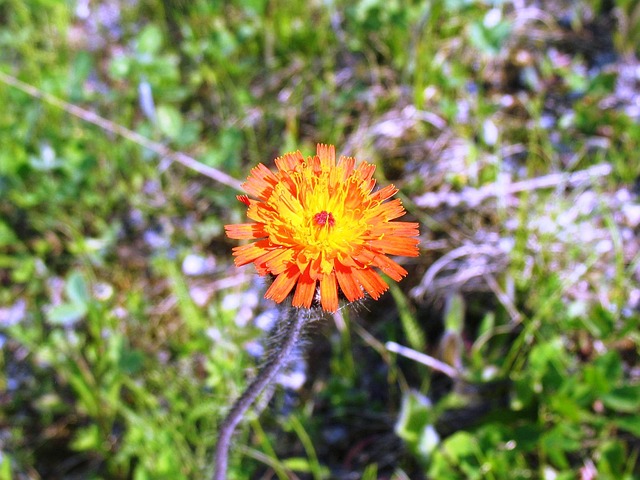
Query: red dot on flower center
{"points": [[324, 218]]}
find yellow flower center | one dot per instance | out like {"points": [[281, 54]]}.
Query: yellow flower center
{"points": [[312, 214]]}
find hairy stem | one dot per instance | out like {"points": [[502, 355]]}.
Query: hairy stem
{"points": [[288, 338]]}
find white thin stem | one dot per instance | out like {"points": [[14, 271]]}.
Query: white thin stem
{"points": [[423, 358], [109, 126], [506, 189]]}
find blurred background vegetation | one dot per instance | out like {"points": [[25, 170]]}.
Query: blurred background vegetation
{"points": [[513, 131]]}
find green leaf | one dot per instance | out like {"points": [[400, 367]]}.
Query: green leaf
{"points": [[150, 40], [169, 121], [24, 269], [415, 425], [629, 424], [623, 399], [85, 391], [527, 436], [454, 314], [487, 324], [131, 361], [560, 440], [82, 67], [87, 438], [415, 334], [612, 458], [547, 363], [489, 39], [460, 445], [77, 290], [415, 413], [7, 236], [600, 322], [297, 464], [601, 375], [5, 467], [120, 67], [66, 313], [141, 473], [370, 472]]}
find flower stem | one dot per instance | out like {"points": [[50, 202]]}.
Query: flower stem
{"points": [[288, 337]]}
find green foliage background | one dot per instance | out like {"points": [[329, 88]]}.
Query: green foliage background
{"points": [[118, 363]]}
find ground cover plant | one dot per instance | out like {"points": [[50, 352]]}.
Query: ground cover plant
{"points": [[512, 130]]}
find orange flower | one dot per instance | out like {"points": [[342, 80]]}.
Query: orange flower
{"points": [[319, 223]]}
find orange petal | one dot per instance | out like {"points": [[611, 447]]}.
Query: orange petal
{"points": [[389, 267], [329, 293], [348, 163], [348, 283], [276, 261], [372, 282], [282, 285], [347, 259], [245, 230], [289, 161], [365, 171], [304, 291], [269, 255], [398, 229], [364, 256], [390, 210], [315, 164], [288, 181], [327, 156], [384, 193], [248, 253], [260, 212], [396, 246], [260, 182], [262, 270]]}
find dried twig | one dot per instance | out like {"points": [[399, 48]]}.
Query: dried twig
{"points": [[109, 126], [427, 360], [502, 189], [427, 283], [504, 299]]}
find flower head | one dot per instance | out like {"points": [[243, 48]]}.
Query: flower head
{"points": [[319, 223]]}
